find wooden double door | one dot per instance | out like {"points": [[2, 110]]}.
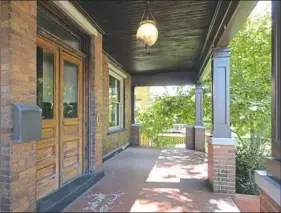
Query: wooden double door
{"points": [[59, 155]]}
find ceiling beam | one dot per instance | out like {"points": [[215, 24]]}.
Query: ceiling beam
{"points": [[168, 78]]}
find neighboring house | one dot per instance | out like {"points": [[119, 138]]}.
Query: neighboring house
{"points": [[143, 98], [68, 72]]}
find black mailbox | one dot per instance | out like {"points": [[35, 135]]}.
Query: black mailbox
{"points": [[27, 122]]}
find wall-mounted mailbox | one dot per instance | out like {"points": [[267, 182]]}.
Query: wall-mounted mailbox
{"points": [[27, 122]]}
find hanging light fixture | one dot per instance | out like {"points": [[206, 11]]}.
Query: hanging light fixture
{"points": [[147, 32]]}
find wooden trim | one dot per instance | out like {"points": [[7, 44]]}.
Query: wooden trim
{"points": [[43, 34], [120, 73], [75, 15]]}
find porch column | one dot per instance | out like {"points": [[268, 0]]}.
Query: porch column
{"points": [[221, 147], [133, 101], [135, 128], [17, 85], [199, 104], [269, 181], [199, 129]]}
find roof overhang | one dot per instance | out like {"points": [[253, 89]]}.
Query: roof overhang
{"points": [[229, 30]]}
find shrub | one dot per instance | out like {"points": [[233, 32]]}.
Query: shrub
{"points": [[250, 156]]}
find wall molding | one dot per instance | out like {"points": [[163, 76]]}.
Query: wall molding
{"points": [[76, 16]]}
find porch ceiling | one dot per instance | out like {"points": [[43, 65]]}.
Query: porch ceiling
{"points": [[187, 30]]}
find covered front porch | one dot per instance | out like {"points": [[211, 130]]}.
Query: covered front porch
{"points": [[48, 170], [154, 180]]}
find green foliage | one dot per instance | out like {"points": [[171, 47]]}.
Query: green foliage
{"points": [[251, 77], [164, 112], [250, 94], [249, 157]]}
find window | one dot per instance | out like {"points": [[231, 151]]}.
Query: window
{"points": [[60, 32], [45, 82], [116, 101]]}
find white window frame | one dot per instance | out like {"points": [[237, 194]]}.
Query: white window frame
{"points": [[121, 110]]}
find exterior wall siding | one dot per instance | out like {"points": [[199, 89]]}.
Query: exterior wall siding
{"points": [[18, 85], [112, 141]]}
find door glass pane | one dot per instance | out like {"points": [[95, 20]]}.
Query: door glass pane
{"points": [[45, 82], [70, 91]]}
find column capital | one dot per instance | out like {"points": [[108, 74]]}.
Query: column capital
{"points": [[221, 52], [198, 85]]}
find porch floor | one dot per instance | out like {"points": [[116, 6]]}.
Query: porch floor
{"points": [[154, 180]]}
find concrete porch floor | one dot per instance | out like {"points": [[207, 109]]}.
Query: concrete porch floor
{"points": [[154, 180]]}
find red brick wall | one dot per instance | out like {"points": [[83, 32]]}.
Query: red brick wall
{"points": [[221, 168], [115, 140], [18, 84], [210, 161], [267, 204]]}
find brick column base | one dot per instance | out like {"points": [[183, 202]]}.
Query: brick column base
{"points": [[135, 134], [221, 167], [199, 138], [189, 137]]}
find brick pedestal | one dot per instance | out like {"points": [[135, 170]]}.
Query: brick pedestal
{"points": [[18, 85], [189, 139], [221, 167], [199, 138], [135, 134]]}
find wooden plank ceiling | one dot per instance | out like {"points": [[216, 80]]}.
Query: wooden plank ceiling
{"points": [[182, 27]]}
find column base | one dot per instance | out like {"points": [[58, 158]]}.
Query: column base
{"points": [[135, 134], [189, 137], [221, 165], [199, 138], [270, 190]]}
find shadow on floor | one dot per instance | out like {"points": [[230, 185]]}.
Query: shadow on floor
{"points": [[154, 180]]}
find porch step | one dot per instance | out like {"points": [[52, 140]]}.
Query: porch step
{"points": [[61, 198]]}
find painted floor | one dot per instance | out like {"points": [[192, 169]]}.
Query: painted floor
{"points": [[153, 180]]}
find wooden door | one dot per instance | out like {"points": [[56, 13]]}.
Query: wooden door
{"points": [[59, 95], [47, 149], [71, 116]]}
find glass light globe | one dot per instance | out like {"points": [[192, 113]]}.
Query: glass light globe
{"points": [[147, 32]]}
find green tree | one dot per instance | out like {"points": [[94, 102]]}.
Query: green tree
{"points": [[250, 91]]}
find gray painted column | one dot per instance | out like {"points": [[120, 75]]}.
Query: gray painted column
{"points": [[133, 101], [276, 79], [199, 104], [220, 93]]}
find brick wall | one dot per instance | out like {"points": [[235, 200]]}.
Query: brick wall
{"points": [[189, 140], [115, 140], [221, 168], [98, 101], [267, 204], [136, 135], [210, 161], [199, 138], [18, 84]]}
